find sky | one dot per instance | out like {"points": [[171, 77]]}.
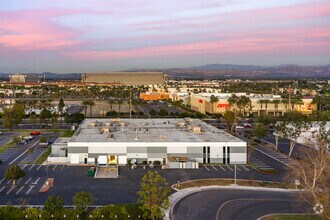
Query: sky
{"points": [[105, 35]]}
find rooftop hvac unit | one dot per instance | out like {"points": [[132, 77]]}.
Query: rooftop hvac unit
{"points": [[106, 130], [196, 129], [181, 124], [92, 125], [162, 137]]}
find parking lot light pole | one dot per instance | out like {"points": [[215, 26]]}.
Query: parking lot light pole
{"points": [[235, 173]]}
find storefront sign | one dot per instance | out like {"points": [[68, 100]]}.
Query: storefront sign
{"points": [[223, 105]]}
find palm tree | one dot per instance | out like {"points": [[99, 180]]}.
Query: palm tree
{"points": [[276, 103], [91, 104], [111, 102], [119, 102], [261, 102], [318, 100], [85, 104], [266, 101], [213, 99]]}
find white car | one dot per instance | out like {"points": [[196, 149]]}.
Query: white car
{"points": [[239, 127]]}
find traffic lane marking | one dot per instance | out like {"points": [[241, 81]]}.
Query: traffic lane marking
{"points": [[13, 161]]}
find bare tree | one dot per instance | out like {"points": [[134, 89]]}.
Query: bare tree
{"points": [[291, 126], [313, 171]]}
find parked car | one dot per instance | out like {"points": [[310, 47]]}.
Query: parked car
{"points": [[35, 133], [22, 142], [45, 144], [28, 138], [239, 127], [247, 125]]}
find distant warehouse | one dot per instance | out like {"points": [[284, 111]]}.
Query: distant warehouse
{"points": [[125, 78]]}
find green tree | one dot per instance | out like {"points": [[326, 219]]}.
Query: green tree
{"points": [[45, 116], [61, 106], [54, 204], [42, 139], [82, 200], [13, 173], [33, 119], [153, 195], [12, 116], [230, 118], [54, 118], [74, 118], [259, 131]]}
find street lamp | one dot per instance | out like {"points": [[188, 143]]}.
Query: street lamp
{"points": [[235, 173]]}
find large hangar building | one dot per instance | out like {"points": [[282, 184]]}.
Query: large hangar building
{"points": [[125, 78]]}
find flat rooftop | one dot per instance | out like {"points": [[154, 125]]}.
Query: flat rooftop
{"points": [[150, 130]]}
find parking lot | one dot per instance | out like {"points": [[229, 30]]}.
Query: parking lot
{"points": [[32, 157], [72, 179]]}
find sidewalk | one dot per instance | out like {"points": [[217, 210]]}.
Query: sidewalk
{"points": [[177, 196]]}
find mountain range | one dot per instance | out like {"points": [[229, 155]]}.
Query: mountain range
{"points": [[221, 71]]}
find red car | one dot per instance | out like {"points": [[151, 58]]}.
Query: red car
{"points": [[35, 133]]}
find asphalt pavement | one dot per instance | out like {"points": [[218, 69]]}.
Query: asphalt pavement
{"points": [[237, 204]]}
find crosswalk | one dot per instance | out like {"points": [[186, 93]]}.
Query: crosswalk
{"points": [[24, 185], [282, 158], [226, 168]]}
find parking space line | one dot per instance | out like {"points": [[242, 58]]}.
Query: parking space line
{"points": [[36, 182], [229, 167], [238, 168], [3, 179], [28, 180], [245, 168], [46, 167], [39, 167], [206, 168], [24, 166], [54, 167], [31, 166], [214, 168], [62, 167], [31, 187], [11, 189], [20, 189], [221, 168], [2, 189], [9, 181], [20, 179]]}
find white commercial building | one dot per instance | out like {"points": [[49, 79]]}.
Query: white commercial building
{"points": [[178, 143]]}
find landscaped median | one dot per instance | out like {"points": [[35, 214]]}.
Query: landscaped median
{"points": [[12, 143], [228, 182]]}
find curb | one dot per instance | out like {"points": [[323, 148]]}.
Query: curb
{"points": [[192, 190]]}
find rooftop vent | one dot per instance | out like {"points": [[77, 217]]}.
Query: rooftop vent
{"points": [[162, 137], [111, 137]]}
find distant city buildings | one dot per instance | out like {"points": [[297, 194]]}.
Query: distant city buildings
{"points": [[17, 78], [125, 78]]}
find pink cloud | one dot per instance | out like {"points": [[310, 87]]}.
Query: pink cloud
{"points": [[32, 30], [286, 41]]}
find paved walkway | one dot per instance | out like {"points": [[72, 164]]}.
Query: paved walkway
{"points": [[177, 196]]}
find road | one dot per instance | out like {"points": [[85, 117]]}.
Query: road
{"points": [[232, 204]]}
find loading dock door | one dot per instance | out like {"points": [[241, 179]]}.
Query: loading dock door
{"points": [[74, 158], [102, 160]]}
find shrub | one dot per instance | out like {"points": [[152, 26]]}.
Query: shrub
{"points": [[157, 162]]}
